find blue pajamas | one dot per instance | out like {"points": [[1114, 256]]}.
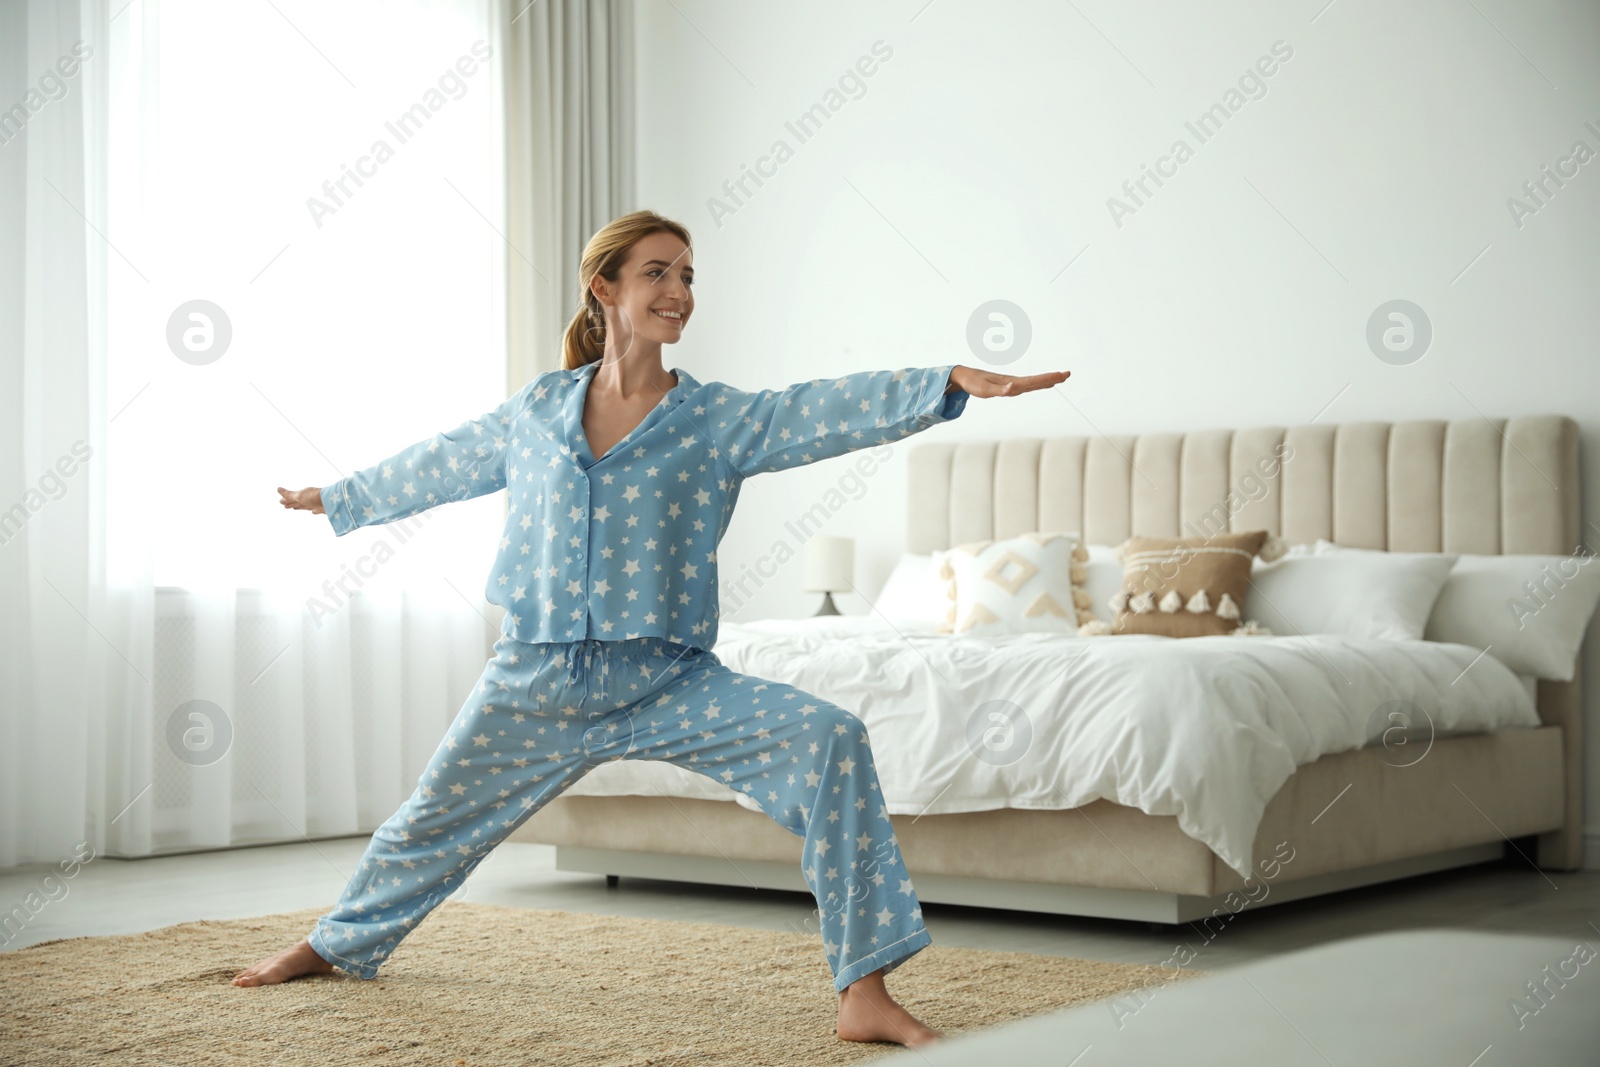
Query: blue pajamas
{"points": [[543, 714], [607, 571]]}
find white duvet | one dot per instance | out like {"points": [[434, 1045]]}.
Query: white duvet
{"points": [[1205, 729]]}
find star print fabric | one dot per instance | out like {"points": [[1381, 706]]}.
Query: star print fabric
{"points": [[624, 545], [542, 716]]}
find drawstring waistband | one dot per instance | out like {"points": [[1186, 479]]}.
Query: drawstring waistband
{"points": [[581, 657], [590, 660]]}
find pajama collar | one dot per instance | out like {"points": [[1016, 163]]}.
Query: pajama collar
{"points": [[572, 410]]}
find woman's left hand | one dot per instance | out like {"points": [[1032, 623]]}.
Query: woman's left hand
{"points": [[988, 383]]}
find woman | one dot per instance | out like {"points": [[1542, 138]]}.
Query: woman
{"points": [[622, 478]]}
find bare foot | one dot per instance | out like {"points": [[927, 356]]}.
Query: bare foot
{"points": [[868, 1013], [290, 963]]}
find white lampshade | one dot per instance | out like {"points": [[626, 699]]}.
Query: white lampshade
{"points": [[830, 564]]}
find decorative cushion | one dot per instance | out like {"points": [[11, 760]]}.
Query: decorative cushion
{"points": [[1355, 592], [1186, 586], [1530, 612], [1021, 584]]}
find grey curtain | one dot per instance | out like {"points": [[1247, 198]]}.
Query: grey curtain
{"points": [[570, 160]]}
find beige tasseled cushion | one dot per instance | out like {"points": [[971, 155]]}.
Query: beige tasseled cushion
{"points": [[1187, 586], [1021, 584]]}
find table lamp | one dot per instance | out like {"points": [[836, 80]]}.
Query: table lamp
{"points": [[830, 568]]}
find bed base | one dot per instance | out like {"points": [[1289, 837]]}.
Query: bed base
{"points": [[1349, 819], [1085, 901]]}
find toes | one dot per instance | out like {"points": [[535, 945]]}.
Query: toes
{"points": [[250, 976]]}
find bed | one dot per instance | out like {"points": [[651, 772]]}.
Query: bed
{"points": [[1131, 819]]}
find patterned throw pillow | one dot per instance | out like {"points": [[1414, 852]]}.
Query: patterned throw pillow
{"points": [[1187, 586], [1021, 584]]}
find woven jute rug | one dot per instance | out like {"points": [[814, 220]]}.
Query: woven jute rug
{"points": [[476, 985]]}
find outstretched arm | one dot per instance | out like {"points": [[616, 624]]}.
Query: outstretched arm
{"points": [[458, 464], [775, 429]]}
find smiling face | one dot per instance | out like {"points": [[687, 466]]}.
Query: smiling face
{"points": [[652, 298]]}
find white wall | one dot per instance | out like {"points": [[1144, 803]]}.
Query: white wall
{"points": [[979, 161]]}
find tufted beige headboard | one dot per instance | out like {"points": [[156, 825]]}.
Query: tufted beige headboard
{"points": [[1471, 485]]}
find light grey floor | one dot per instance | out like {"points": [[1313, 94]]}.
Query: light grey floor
{"points": [[1422, 998], [111, 896]]}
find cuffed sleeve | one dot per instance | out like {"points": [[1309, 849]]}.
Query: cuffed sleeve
{"points": [[458, 464], [774, 429]]}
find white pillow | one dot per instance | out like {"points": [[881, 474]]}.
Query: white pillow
{"points": [[1023, 584], [1530, 612], [1104, 580], [914, 591], [1355, 592]]}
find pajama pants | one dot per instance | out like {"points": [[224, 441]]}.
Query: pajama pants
{"points": [[543, 715]]}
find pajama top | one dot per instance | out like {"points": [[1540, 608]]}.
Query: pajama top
{"points": [[624, 546]]}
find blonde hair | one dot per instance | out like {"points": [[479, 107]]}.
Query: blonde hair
{"points": [[607, 250]]}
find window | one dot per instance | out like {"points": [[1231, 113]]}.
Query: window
{"points": [[305, 274]]}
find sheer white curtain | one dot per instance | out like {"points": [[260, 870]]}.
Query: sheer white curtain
{"points": [[54, 684], [245, 246], [570, 157]]}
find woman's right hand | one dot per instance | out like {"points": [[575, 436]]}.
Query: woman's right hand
{"points": [[302, 499]]}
